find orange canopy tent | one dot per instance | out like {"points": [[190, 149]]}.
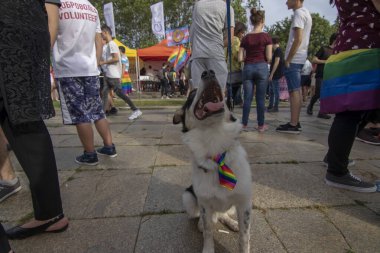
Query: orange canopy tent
{"points": [[158, 52]]}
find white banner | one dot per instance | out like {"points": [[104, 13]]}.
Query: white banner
{"points": [[108, 16], [245, 5], [158, 19]]}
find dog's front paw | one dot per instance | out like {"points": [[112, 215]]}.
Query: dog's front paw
{"points": [[207, 164]]}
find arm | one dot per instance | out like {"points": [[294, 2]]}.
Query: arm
{"points": [[268, 52], [114, 59], [274, 68], [225, 40], [122, 69], [241, 55], [296, 44], [53, 20], [316, 60], [377, 4], [98, 47]]}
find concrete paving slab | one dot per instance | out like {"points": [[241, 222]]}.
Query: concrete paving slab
{"points": [[166, 188], [129, 140], [129, 157], [111, 235], [144, 131], [178, 155], [20, 205], [289, 186], [359, 225], [112, 193], [172, 135], [170, 233], [263, 240], [306, 230]]}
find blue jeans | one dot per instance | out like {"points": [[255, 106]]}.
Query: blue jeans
{"points": [[274, 93], [255, 74], [293, 76]]}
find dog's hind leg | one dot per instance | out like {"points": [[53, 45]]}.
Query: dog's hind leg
{"points": [[208, 240], [190, 202], [244, 218], [226, 220]]}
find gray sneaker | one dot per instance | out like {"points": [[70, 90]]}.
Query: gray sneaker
{"points": [[349, 182], [8, 190]]}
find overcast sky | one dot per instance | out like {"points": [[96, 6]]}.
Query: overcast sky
{"points": [[276, 10]]}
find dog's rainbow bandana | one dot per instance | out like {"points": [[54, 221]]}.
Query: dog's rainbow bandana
{"points": [[227, 177]]}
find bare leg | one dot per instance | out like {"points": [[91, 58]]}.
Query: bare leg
{"points": [[295, 106], [6, 169], [103, 129], [86, 136]]}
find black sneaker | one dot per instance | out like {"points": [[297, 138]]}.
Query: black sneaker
{"points": [[88, 158], [323, 116], [309, 110], [113, 111], [8, 190], [349, 182], [274, 109], [107, 150], [289, 129]]}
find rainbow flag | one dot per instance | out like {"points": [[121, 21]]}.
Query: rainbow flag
{"points": [[227, 177], [178, 58], [126, 83], [351, 81]]}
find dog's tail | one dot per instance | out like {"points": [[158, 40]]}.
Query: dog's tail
{"points": [[190, 202]]}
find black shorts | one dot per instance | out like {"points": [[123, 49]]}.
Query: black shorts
{"points": [[306, 80]]}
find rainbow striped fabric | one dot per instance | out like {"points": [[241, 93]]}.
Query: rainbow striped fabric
{"points": [[178, 58], [227, 177], [351, 81], [126, 83]]}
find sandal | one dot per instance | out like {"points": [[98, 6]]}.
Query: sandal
{"points": [[19, 232]]}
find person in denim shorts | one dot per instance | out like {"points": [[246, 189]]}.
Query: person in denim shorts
{"points": [[76, 67], [295, 58]]}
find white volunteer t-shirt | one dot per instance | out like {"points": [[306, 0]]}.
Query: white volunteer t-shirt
{"points": [[74, 53], [301, 19], [112, 70]]}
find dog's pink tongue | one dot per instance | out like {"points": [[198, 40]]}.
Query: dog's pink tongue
{"points": [[213, 107]]}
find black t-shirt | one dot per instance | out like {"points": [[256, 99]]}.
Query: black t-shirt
{"points": [[280, 68], [322, 54]]}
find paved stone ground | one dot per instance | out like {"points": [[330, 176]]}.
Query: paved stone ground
{"points": [[132, 203]]}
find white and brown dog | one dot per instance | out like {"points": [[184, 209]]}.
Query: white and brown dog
{"points": [[221, 176]]}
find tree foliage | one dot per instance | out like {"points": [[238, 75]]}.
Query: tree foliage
{"points": [[320, 32], [133, 21], [133, 18]]}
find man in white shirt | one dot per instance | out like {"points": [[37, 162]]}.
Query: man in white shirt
{"points": [[295, 57], [114, 72], [76, 55]]}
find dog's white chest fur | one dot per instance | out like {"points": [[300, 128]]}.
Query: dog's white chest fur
{"points": [[205, 143]]}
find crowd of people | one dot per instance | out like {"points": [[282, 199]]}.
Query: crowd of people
{"points": [[25, 100]]}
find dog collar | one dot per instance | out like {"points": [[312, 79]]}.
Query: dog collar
{"points": [[227, 177]]}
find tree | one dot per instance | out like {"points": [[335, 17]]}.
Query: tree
{"points": [[320, 32]]}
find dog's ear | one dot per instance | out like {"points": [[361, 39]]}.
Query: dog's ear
{"points": [[178, 116]]}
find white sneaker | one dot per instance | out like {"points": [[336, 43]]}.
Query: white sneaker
{"points": [[136, 114]]}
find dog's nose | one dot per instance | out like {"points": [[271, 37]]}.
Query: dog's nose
{"points": [[207, 74]]}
